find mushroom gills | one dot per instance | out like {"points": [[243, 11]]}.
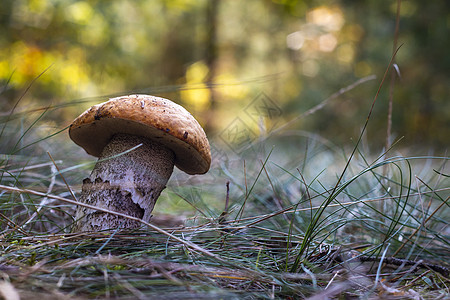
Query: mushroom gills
{"points": [[129, 183]]}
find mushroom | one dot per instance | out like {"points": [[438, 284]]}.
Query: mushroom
{"points": [[138, 139]]}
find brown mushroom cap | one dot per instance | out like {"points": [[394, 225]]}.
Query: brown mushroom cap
{"points": [[155, 118]]}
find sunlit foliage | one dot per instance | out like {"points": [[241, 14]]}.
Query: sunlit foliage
{"points": [[216, 56]]}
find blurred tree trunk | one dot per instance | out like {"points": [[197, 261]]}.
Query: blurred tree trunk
{"points": [[211, 55]]}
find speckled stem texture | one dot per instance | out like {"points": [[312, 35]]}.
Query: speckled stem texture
{"points": [[129, 183]]}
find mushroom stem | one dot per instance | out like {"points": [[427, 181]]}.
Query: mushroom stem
{"points": [[128, 183]]}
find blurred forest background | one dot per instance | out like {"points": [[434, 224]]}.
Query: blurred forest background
{"points": [[246, 66]]}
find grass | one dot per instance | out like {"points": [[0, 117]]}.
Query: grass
{"points": [[270, 223], [352, 249]]}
